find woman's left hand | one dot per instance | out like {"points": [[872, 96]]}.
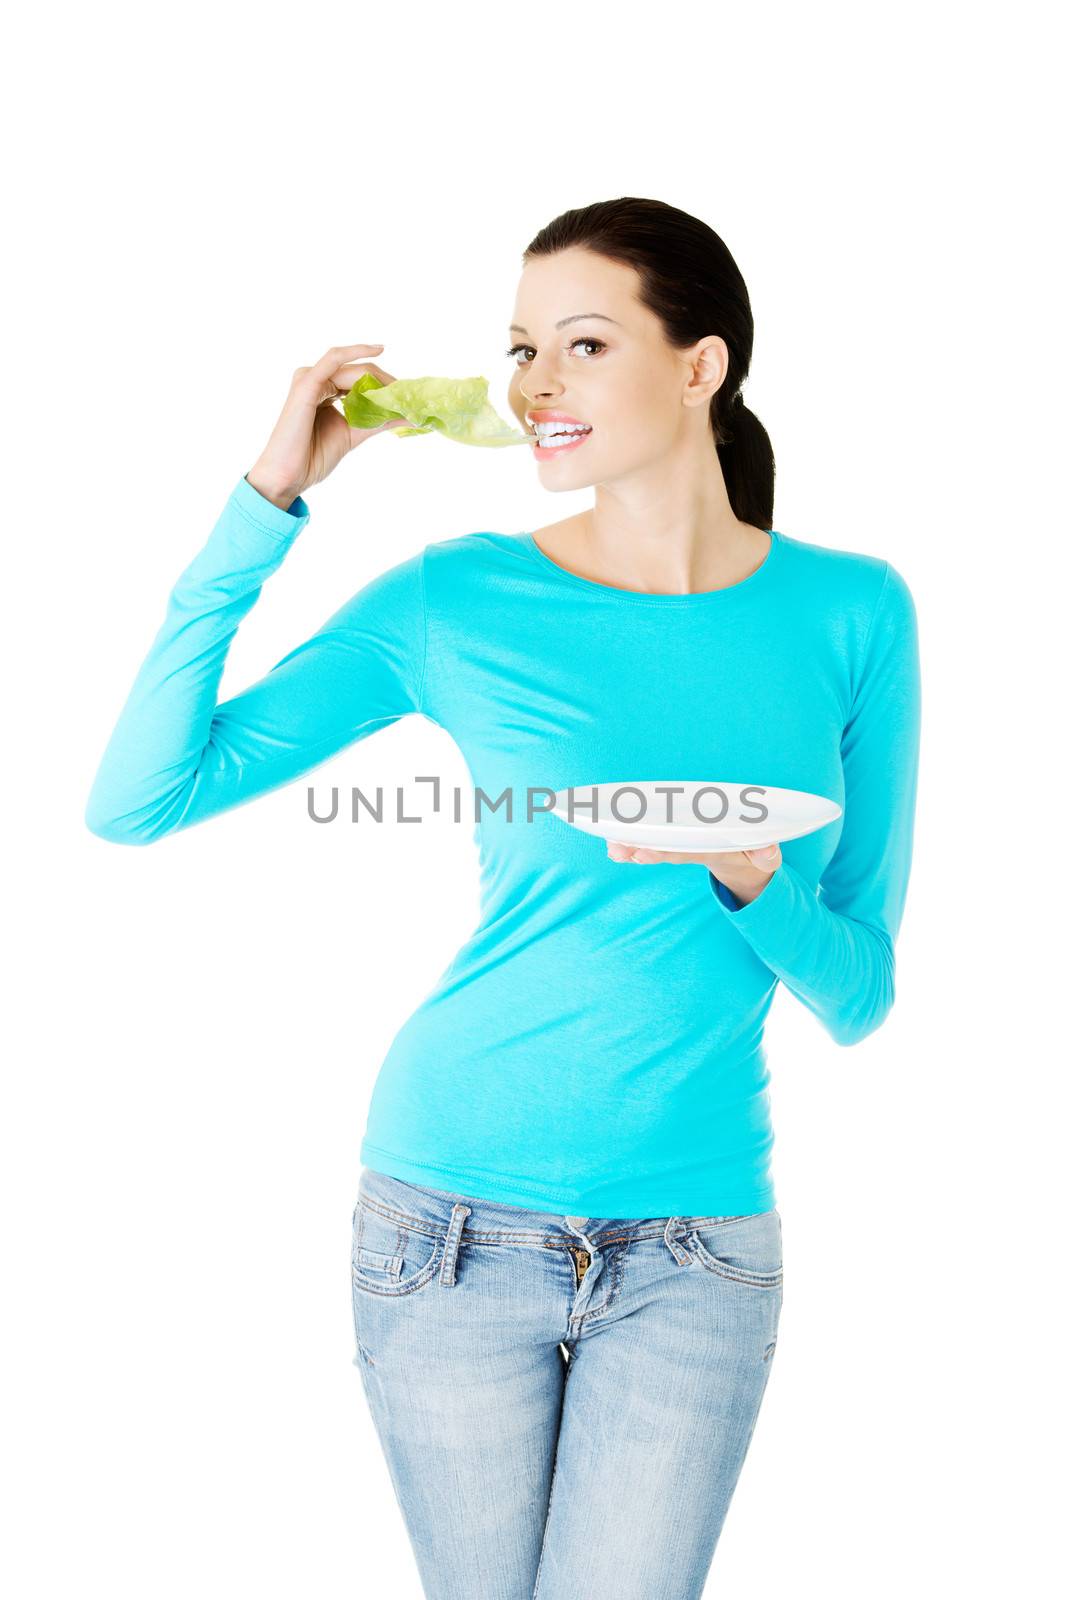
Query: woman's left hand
{"points": [[744, 872]]}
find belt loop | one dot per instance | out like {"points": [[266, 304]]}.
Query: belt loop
{"points": [[460, 1214], [676, 1227]]}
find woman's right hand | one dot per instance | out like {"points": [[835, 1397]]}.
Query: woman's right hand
{"points": [[311, 435]]}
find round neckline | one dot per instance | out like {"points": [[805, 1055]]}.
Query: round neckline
{"points": [[644, 596]]}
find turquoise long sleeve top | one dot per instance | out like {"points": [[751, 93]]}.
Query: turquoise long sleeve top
{"points": [[595, 1047]]}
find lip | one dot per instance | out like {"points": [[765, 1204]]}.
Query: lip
{"points": [[557, 416], [548, 450]]}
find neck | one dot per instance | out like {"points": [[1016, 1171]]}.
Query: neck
{"points": [[670, 545]]}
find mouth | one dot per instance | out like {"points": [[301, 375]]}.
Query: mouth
{"points": [[558, 437]]}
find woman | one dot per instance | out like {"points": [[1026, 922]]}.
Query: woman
{"points": [[566, 1251]]}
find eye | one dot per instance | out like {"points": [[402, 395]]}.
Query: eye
{"points": [[516, 348]]}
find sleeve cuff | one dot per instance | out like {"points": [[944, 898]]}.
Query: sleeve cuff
{"points": [[781, 924], [722, 893], [763, 913], [265, 514]]}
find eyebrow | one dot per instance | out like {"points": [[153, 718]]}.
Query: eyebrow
{"points": [[580, 316]]}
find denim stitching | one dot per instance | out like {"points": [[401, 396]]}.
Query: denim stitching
{"points": [[453, 1239], [419, 1280], [650, 1230], [389, 1265], [757, 1280], [615, 1266]]}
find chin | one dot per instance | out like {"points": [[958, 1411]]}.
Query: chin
{"points": [[553, 487]]}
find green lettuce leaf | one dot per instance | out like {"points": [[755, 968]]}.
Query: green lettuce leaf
{"points": [[457, 407]]}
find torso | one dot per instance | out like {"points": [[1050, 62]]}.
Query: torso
{"points": [[602, 1024]]}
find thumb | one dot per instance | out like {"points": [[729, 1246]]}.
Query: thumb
{"points": [[767, 859]]}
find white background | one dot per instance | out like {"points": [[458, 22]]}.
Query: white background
{"points": [[203, 199]]}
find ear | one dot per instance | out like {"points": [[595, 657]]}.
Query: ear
{"points": [[708, 362]]}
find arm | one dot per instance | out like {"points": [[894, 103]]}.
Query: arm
{"points": [[834, 947], [176, 757]]}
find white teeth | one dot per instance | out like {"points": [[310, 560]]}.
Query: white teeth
{"points": [[554, 441], [552, 434]]}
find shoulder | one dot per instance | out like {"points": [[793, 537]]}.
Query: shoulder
{"points": [[460, 555], [470, 547], [467, 561], [866, 585]]}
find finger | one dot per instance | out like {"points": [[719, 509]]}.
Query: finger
{"points": [[345, 376], [768, 858], [315, 381], [338, 355], [338, 383], [334, 358], [633, 852]]}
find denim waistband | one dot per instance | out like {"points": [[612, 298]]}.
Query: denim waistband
{"points": [[434, 1209]]}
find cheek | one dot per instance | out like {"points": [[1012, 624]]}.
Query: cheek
{"points": [[631, 437]]}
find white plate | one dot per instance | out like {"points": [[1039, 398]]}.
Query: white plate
{"points": [[704, 816]]}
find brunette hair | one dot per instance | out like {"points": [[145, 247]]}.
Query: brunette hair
{"points": [[689, 279]]}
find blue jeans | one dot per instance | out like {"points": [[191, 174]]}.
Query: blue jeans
{"points": [[564, 1403]]}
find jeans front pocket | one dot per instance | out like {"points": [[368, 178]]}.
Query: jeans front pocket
{"points": [[747, 1250], [391, 1256]]}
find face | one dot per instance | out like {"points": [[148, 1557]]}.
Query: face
{"points": [[642, 399]]}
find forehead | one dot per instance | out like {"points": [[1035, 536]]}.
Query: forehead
{"points": [[571, 286]]}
